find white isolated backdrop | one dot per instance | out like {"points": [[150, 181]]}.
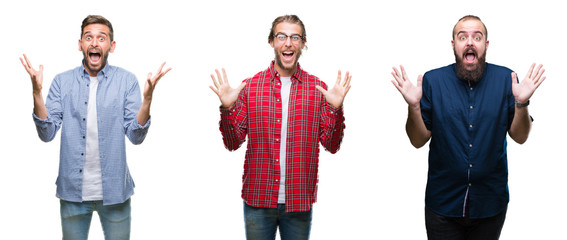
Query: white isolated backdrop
{"points": [[188, 184]]}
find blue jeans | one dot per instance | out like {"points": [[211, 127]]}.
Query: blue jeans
{"points": [[262, 223], [76, 219], [465, 228]]}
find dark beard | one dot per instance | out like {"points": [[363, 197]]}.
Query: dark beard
{"points": [[102, 65], [279, 60], [473, 75]]}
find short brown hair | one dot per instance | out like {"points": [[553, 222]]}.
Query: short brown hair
{"points": [[290, 19], [469, 17], [97, 19]]}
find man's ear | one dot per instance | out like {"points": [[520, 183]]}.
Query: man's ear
{"points": [[112, 46]]}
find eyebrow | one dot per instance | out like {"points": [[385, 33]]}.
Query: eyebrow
{"points": [[480, 32], [287, 34], [88, 32]]}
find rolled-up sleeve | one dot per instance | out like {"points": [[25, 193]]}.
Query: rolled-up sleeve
{"points": [[135, 132], [47, 128]]}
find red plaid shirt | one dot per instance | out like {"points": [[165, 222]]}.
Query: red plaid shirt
{"points": [[258, 113]]}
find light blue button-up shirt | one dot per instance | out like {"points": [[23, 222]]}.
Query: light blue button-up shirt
{"points": [[118, 100]]}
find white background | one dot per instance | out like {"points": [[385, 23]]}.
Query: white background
{"points": [[188, 184]]}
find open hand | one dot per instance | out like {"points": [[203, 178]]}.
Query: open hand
{"points": [[152, 81], [524, 90], [226, 94], [336, 95], [411, 93], [35, 75]]}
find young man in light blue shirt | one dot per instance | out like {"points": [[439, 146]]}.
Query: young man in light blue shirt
{"points": [[98, 104]]}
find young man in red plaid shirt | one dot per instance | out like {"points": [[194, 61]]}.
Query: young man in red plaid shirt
{"points": [[285, 112]]}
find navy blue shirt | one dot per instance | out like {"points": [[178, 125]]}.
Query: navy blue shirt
{"points": [[468, 168]]}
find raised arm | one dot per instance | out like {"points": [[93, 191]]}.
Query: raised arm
{"points": [[47, 122], [332, 117], [144, 112], [234, 117], [36, 76], [522, 123], [415, 127]]}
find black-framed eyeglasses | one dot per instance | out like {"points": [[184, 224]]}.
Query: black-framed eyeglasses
{"points": [[282, 37]]}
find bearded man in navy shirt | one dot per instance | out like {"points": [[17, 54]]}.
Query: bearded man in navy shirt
{"points": [[466, 109]]}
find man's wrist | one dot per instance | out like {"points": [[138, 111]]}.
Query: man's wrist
{"points": [[521, 105], [414, 107]]}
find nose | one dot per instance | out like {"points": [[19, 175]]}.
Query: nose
{"points": [[94, 43], [287, 41], [469, 41]]}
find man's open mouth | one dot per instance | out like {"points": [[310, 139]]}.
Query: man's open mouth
{"points": [[470, 55], [288, 55], [94, 56]]}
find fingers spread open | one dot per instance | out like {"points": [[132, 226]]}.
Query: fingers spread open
{"points": [[224, 75], [531, 71], [219, 77], [347, 80], [214, 81]]}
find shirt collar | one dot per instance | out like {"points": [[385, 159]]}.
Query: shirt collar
{"points": [[297, 76]]}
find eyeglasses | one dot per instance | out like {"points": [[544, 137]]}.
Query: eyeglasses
{"points": [[281, 37]]}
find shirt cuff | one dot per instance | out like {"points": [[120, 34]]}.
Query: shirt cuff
{"points": [[336, 113], [41, 122], [226, 113], [138, 126]]}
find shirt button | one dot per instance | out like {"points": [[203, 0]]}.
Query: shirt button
{"points": [[470, 145], [470, 126], [277, 99], [277, 180], [277, 160], [82, 154], [278, 120], [277, 139], [83, 137], [471, 107], [470, 184], [471, 88], [470, 165]]}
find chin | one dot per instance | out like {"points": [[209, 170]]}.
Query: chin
{"points": [[288, 66], [93, 68]]}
